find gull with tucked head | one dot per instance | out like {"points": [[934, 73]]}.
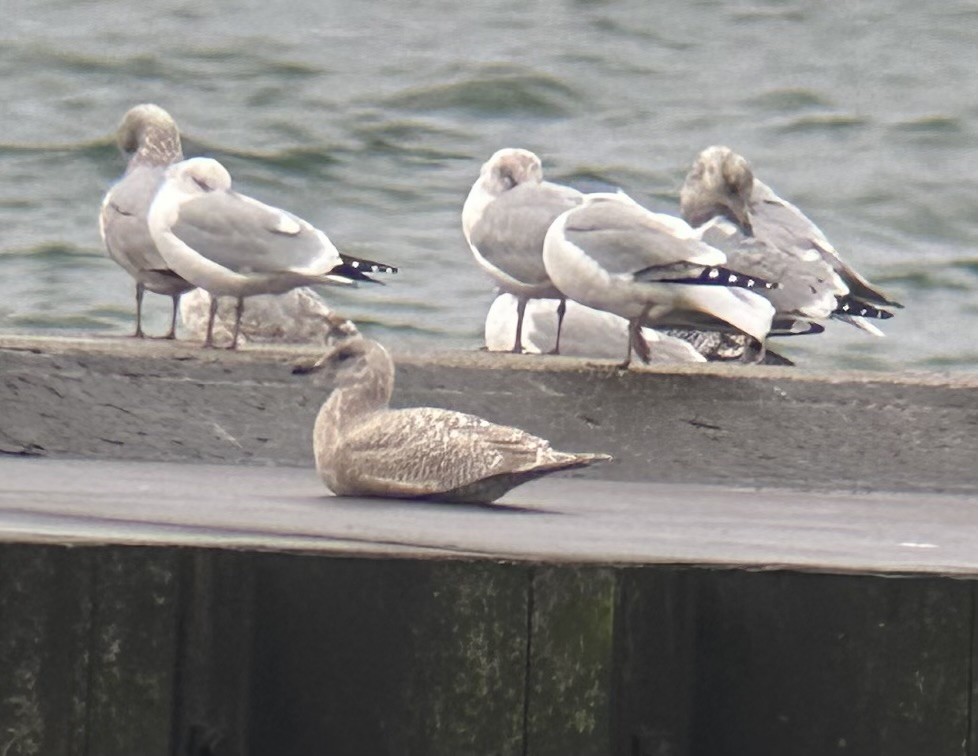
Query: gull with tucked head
{"points": [[766, 236], [149, 136], [612, 254], [505, 219], [232, 245], [364, 448]]}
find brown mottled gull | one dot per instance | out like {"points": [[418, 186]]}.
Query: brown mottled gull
{"points": [[150, 137], [768, 237], [505, 219], [299, 316], [363, 448]]}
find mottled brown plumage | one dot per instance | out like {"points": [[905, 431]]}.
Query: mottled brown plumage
{"points": [[363, 448]]}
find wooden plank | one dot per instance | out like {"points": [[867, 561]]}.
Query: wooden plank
{"points": [[557, 520], [45, 615], [394, 657], [133, 653], [570, 672], [808, 664], [655, 666], [216, 647]]}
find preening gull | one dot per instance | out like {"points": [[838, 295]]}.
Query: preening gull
{"points": [[232, 245], [150, 137], [299, 316], [505, 219], [612, 254], [364, 448], [587, 332], [768, 237]]}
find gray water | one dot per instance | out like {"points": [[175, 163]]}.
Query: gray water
{"points": [[371, 120]]}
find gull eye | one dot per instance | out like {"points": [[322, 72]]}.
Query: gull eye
{"points": [[507, 180], [201, 183]]}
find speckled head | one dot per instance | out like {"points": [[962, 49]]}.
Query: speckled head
{"points": [[510, 167], [719, 183], [353, 360], [149, 135]]}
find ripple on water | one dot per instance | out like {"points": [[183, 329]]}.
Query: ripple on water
{"points": [[826, 123], [789, 100], [495, 91]]}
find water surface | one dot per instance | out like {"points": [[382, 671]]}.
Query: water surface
{"points": [[372, 119]]}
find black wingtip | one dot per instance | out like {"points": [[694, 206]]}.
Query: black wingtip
{"points": [[851, 306], [356, 269], [719, 276]]}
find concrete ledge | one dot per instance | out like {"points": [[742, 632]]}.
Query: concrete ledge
{"points": [[756, 426]]}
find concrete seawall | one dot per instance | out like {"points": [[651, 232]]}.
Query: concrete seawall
{"points": [[754, 426], [156, 607]]}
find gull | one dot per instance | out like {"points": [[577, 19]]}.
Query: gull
{"points": [[768, 237], [233, 245], [612, 254], [364, 448], [588, 332], [150, 137], [505, 219], [299, 316]]}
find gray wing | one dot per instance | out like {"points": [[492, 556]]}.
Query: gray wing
{"points": [[123, 220], [624, 238], [807, 284], [510, 233], [425, 450], [245, 235], [782, 225]]}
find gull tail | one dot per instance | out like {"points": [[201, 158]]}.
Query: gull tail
{"points": [[352, 269], [744, 310]]}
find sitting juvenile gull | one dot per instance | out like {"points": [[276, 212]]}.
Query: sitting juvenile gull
{"points": [[587, 332], [505, 218], [612, 254], [150, 137], [299, 316], [768, 237], [232, 245], [364, 448]]}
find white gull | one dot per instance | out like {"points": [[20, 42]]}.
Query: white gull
{"points": [[587, 332], [505, 219], [233, 245], [612, 254], [150, 137]]}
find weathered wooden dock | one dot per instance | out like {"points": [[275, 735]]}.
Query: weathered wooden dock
{"points": [[777, 562]]}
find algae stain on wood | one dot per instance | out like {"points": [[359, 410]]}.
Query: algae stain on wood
{"points": [[571, 643]]}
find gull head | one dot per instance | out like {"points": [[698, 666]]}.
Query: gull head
{"points": [[720, 183], [198, 176], [510, 167], [350, 360], [149, 131]]}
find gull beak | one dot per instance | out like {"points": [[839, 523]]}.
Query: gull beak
{"points": [[307, 367], [337, 339], [738, 208]]}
